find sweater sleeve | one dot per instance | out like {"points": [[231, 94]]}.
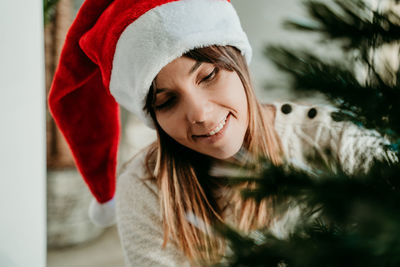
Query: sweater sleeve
{"points": [[358, 147], [140, 224], [314, 139]]}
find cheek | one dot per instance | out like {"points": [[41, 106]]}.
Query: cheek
{"points": [[171, 125], [240, 104], [165, 122], [235, 95]]}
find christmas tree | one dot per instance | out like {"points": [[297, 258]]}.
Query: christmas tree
{"points": [[346, 219]]}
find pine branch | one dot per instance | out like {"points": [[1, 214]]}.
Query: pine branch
{"points": [[355, 22], [374, 104], [359, 224]]}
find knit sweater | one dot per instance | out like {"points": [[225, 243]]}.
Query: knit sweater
{"points": [[309, 135]]}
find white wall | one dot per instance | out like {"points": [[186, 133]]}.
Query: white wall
{"points": [[262, 21], [22, 135]]}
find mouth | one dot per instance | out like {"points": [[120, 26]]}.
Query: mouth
{"points": [[217, 131], [218, 128]]}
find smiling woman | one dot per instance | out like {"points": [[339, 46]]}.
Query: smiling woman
{"points": [[182, 67], [201, 106], [204, 108]]}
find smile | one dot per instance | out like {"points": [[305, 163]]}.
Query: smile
{"points": [[216, 134], [218, 128]]}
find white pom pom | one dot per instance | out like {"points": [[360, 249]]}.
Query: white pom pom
{"points": [[102, 214]]}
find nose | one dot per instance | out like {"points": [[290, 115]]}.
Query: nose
{"points": [[197, 108]]}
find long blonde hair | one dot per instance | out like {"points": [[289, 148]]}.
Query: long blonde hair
{"points": [[182, 175]]}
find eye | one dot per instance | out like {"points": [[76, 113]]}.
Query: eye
{"points": [[165, 103], [211, 75]]}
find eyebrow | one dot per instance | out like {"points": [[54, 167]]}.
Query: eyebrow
{"points": [[193, 69]]}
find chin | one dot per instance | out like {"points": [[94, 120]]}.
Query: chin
{"points": [[226, 153]]}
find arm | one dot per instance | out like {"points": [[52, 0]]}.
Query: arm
{"points": [[314, 138], [358, 147], [140, 225]]}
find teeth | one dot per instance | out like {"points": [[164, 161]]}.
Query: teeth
{"points": [[218, 128]]}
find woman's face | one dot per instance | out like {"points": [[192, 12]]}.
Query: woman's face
{"points": [[202, 107]]}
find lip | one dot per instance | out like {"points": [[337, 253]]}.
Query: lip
{"points": [[214, 138]]}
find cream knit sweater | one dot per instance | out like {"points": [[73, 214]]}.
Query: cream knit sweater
{"points": [[306, 132]]}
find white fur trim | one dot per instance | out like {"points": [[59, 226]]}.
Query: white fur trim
{"points": [[164, 34], [102, 214]]}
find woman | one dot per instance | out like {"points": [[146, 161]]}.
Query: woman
{"points": [[203, 117], [181, 66]]}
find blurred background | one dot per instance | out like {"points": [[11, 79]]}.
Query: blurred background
{"points": [[59, 192]]}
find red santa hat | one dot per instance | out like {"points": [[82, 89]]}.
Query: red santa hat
{"points": [[112, 53]]}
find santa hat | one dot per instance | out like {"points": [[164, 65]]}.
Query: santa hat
{"points": [[112, 53]]}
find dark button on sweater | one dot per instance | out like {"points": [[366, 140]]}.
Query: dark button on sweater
{"points": [[286, 109], [312, 113]]}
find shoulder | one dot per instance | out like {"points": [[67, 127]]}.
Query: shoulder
{"points": [[136, 164], [133, 180], [137, 201], [139, 218]]}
